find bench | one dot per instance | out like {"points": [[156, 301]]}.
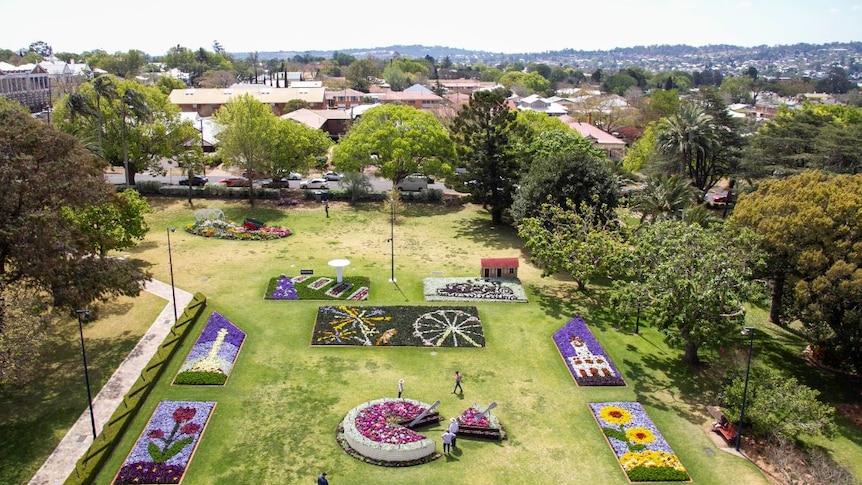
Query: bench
{"points": [[727, 430]]}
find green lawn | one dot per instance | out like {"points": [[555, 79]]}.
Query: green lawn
{"points": [[275, 420]]}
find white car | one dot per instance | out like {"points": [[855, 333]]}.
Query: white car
{"points": [[294, 176], [314, 184], [334, 176]]}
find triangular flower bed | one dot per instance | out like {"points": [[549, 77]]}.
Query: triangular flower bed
{"points": [[584, 356], [473, 423], [416, 326], [642, 451], [212, 357], [167, 444]]}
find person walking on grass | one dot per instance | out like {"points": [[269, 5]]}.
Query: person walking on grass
{"points": [[400, 387], [457, 383], [321, 480]]}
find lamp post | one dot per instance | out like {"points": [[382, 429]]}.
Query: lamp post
{"points": [[171, 265], [392, 237], [81, 315], [748, 332]]}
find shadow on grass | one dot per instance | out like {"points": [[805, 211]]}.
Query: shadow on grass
{"points": [[483, 232]]}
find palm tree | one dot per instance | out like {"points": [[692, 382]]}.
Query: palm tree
{"points": [[665, 197], [78, 104], [133, 103], [104, 87], [689, 136]]}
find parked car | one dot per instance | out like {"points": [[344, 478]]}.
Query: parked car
{"points": [[197, 180], [236, 182], [335, 176], [417, 182], [294, 176], [275, 183], [420, 175], [314, 184]]}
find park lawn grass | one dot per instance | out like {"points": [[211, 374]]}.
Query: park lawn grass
{"points": [[276, 418], [36, 417]]}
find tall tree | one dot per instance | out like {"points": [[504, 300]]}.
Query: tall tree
{"points": [[690, 138], [133, 109], [482, 133], [399, 141], [664, 198], [690, 281], [105, 88], [248, 138]]}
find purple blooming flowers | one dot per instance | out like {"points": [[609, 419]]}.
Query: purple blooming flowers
{"points": [[585, 357], [284, 290], [213, 354]]}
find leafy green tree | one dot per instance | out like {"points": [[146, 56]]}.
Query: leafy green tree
{"points": [[398, 140], [836, 82], [662, 104], [43, 172], [104, 87], [249, 136], [778, 406], [115, 224], [643, 151], [396, 78], [691, 282], [565, 166], [192, 161], [296, 147], [482, 134], [166, 84], [811, 230], [619, 83], [356, 185], [578, 241], [359, 74], [134, 108]]}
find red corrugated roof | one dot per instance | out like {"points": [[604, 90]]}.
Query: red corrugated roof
{"points": [[499, 262]]}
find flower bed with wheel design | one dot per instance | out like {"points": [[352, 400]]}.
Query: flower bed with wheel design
{"points": [[418, 326], [213, 355], [378, 432], [585, 357], [473, 423], [642, 451], [167, 444]]}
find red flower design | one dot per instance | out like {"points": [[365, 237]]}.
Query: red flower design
{"points": [[190, 428], [184, 414], [156, 434]]}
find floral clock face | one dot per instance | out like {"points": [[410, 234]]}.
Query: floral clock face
{"points": [[377, 432]]}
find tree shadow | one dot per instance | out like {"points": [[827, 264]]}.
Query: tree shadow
{"points": [[484, 233]]}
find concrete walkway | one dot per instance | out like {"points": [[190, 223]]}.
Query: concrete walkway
{"points": [[62, 461]]}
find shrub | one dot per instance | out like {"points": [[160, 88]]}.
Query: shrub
{"points": [[200, 378], [149, 187]]}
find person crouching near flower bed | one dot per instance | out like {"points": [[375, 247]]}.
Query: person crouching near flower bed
{"points": [[448, 437], [453, 428]]}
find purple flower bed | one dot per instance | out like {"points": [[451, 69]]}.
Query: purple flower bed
{"points": [[163, 451], [639, 446], [584, 356], [212, 357], [284, 289]]}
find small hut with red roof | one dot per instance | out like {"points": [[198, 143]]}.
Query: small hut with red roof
{"points": [[499, 268]]}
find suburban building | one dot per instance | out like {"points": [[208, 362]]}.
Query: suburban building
{"points": [[333, 121], [206, 101], [344, 98], [613, 146], [28, 84]]}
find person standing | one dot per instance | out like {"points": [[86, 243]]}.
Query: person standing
{"points": [[400, 387], [447, 441], [321, 480], [453, 428], [326, 208], [458, 383]]}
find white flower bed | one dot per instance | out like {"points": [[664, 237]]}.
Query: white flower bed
{"points": [[384, 451], [474, 289]]}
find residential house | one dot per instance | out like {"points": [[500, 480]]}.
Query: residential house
{"points": [[534, 102], [418, 99], [333, 121], [343, 98], [463, 86], [610, 144], [206, 101], [28, 84]]}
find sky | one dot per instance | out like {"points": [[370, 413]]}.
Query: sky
{"points": [[157, 25]]}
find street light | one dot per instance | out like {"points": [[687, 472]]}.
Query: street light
{"points": [[748, 332], [392, 237], [171, 265], [81, 315]]}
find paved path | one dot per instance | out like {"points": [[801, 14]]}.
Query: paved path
{"points": [[62, 461]]}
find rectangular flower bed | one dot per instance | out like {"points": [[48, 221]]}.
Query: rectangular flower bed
{"points": [[584, 356], [642, 451], [419, 326], [474, 289], [213, 355], [306, 287], [163, 451]]}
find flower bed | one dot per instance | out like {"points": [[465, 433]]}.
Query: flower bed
{"points": [[474, 289], [473, 423], [222, 229], [585, 357], [418, 326], [211, 358], [643, 453], [378, 430], [306, 287], [167, 444]]}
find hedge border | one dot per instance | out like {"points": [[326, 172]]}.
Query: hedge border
{"points": [[91, 463]]}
